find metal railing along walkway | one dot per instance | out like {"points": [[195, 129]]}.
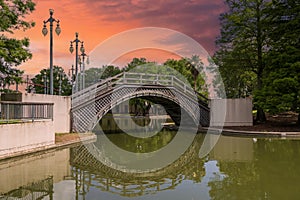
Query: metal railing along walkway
{"points": [[11, 110]]}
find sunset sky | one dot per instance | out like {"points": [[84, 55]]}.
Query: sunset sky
{"points": [[98, 20]]}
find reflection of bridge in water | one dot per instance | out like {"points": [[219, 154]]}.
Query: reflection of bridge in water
{"points": [[33, 176], [179, 100], [90, 172], [36, 190], [49, 175]]}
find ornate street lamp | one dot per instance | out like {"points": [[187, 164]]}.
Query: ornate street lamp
{"points": [[60, 78], [82, 57], [45, 31], [44, 80], [76, 41], [71, 74]]}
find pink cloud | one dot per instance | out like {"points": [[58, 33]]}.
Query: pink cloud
{"points": [[98, 20]]}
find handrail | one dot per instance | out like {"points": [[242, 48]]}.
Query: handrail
{"points": [[93, 88], [138, 79], [95, 85], [25, 103], [25, 110]]}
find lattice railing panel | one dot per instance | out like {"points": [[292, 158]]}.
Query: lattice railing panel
{"points": [[91, 104]]}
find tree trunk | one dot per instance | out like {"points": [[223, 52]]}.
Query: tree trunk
{"points": [[260, 115]]}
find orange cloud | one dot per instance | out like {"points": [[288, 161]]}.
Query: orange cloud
{"points": [[98, 20]]}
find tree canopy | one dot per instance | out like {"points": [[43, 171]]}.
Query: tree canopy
{"points": [[94, 75], [61, 83], [13, 51], [281, 88], [258, 53]]}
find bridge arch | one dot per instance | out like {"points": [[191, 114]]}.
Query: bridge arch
{"points": [[81, 158], [91, 104], [166, 98]]}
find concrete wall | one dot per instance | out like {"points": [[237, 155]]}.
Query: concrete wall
{"points": [[61, 110], [22, 137], [238, 112]]}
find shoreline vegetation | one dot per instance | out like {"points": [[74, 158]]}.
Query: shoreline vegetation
{"points": [[284, 122]]}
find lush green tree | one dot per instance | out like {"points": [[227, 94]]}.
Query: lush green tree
{"points": [[239, 83], [281, 90], [196, 68], [182, 67], [94, 75], [61, 82], [134, 63], [13, 51], [243, 45], [192, 70], [109, 71], [13, 78]]}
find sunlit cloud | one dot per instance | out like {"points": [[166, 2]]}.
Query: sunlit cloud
{"points": [[97, 21], [154, 38]]}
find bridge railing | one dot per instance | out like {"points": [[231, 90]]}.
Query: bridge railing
{"points": [[100, 97], [145, 79], [25, 111], [155, 79], [164, 80], [90, 92]]}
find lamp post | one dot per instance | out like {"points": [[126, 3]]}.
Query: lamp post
{"points": [[71, 74], [1, 84], [27, 83], [76, 41], [17, 84], [60, 79], [44, 79], [45, 83], [82, 68], [45, 31]]}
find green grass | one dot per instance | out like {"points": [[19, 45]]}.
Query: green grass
{"points": [[10, 121]]}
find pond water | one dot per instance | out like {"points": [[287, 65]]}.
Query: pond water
{"points": [[236, 168]]}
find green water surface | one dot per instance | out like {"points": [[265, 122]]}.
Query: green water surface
{"points": [[236, 168]]}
